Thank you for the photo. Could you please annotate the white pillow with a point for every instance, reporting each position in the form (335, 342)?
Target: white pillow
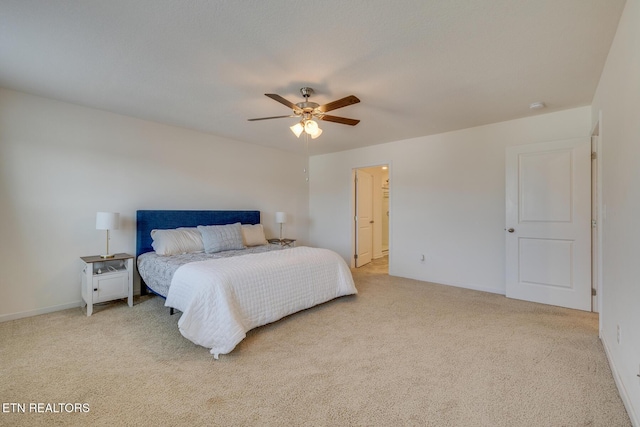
(253, 235)
(217, 238)
(177, 241)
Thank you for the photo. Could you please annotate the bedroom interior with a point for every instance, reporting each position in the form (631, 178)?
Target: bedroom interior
(144, 106)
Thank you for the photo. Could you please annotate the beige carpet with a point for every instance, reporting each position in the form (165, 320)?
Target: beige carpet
(401, 352)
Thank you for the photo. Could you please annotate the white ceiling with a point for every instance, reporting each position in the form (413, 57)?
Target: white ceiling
(419, 67)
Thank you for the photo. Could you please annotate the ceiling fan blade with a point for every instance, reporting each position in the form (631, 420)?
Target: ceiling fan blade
(268, 118)
(348, 100)
(336, 119)
(281, 100)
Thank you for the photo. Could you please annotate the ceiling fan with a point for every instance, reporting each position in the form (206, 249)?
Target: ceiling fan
(308, 110)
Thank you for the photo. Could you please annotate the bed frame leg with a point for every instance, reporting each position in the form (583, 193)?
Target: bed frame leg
(171, 312)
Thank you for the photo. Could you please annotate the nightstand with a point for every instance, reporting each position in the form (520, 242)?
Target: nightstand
(107, 279)
(289, 243)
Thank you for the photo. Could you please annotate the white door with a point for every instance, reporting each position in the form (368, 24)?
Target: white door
(364, 217)
(548, 223)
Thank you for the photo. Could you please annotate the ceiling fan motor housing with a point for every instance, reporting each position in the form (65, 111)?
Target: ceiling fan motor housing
(308, 106)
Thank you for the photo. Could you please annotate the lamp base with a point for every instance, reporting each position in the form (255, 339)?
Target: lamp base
(107, 256)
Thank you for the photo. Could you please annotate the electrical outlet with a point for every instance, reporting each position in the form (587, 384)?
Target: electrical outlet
(618, 334)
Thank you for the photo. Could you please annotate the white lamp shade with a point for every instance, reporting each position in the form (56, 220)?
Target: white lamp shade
(310, 127)
(297, 129)
(107, 221)
(281, 217)
(317, 134)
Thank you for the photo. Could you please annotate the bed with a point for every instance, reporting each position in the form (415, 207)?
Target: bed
(223, 294)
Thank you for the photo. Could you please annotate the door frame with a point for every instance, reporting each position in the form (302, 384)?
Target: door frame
(595, 219)
(601, 217)
(352, 203)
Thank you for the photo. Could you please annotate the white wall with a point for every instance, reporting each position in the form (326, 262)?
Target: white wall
(447, 197)
(617, 99)
(61, 163)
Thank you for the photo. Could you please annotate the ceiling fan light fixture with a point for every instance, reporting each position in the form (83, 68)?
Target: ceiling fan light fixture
(310, 127)
(317, 134)
(297, 129)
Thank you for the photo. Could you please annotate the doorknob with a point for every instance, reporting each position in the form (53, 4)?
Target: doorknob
(511, 230)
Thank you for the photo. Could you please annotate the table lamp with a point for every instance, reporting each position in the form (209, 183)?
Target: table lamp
(107, 221)
(281, 218)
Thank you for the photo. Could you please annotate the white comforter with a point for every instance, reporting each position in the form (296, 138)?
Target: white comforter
(222, 299)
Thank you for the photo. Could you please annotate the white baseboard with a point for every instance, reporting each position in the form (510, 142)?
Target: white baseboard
(621, 389)
(455, 285)
(474, 288)
(45, 310)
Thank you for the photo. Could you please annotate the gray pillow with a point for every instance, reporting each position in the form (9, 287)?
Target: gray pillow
(218, 238)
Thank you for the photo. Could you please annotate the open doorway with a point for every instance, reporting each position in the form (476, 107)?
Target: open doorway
(371, 193)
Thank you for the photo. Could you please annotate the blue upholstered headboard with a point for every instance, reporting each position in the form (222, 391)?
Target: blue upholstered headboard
(163, 220)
